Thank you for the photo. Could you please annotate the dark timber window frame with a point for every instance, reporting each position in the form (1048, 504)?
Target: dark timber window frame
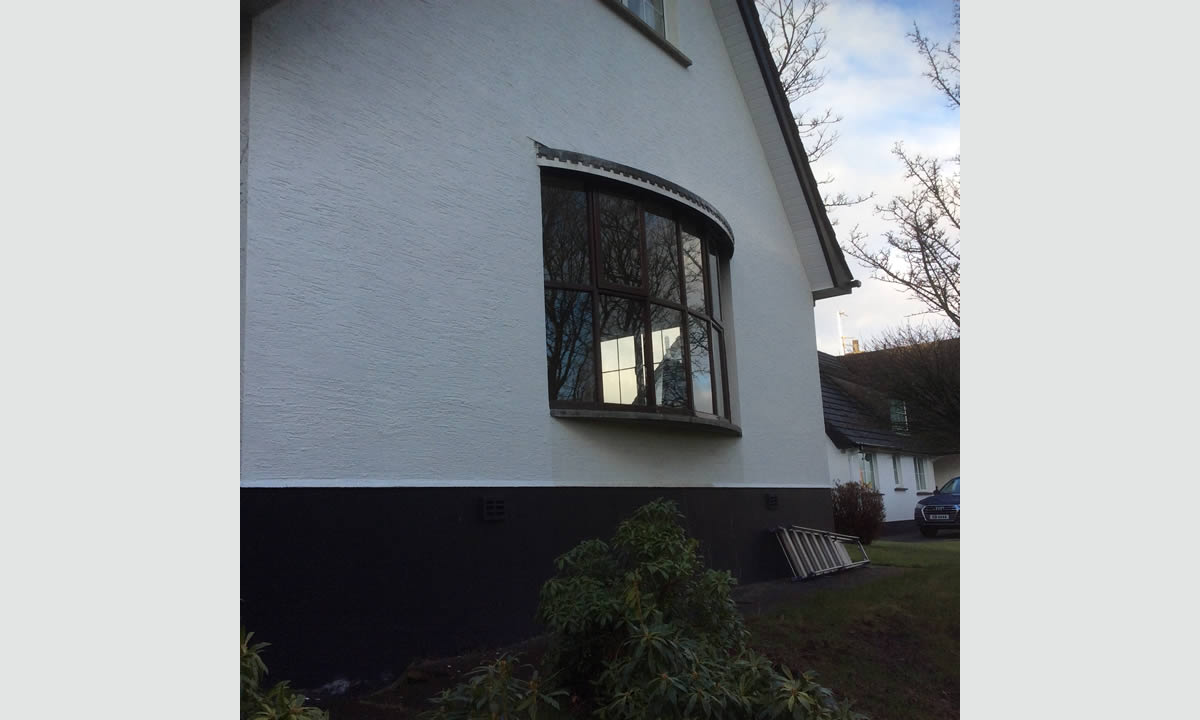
(684, 219)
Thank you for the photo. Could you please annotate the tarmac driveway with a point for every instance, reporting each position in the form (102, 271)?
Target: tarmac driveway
(916, 536)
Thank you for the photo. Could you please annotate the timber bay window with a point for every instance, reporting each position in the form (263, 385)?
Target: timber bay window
(633, 303)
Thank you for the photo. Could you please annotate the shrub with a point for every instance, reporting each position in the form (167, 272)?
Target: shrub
(280, 701)
(858, 510)
(642, 629)
(650, 576)
(497, 691)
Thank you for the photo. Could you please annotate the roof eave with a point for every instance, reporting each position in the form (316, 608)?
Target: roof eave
(250, 8)
(839, 272)
(835, 291)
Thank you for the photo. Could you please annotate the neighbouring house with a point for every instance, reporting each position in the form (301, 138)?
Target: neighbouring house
(876, 438)
(510, 270)
(945, 468)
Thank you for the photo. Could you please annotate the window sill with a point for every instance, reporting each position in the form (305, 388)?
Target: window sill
(925, 492)
(691, 422)
(629, 16)
(900, 489)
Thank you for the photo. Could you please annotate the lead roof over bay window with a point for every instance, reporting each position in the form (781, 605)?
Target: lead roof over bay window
(633, 308)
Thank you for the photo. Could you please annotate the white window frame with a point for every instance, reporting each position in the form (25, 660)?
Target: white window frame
(871, 478)
(898, 470)
(642, 3)
(919, 466)
(901, 425)
(668, 39)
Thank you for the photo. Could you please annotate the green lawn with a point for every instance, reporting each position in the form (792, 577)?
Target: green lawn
(890, 645)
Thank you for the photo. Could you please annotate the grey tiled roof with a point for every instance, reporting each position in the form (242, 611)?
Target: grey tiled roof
(848, 421)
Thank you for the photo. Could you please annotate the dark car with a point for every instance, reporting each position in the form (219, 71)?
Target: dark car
(940, 510)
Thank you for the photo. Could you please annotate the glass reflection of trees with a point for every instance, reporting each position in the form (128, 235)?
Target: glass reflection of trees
(633, 318)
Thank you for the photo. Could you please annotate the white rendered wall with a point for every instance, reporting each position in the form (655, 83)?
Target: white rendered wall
(898, 504)
(900, 498)
(394, 317)
(843, 465)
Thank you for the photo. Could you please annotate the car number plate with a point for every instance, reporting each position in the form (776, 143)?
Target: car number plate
(939, 517)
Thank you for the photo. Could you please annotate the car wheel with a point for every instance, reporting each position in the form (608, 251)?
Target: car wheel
(929, 532)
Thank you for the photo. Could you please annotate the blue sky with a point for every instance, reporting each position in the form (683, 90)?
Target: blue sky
(875, 82)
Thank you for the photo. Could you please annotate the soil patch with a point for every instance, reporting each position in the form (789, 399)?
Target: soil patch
(408, 696)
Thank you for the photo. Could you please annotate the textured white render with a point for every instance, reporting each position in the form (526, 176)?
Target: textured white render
(843, 465)
(394, 318)
(846, 466)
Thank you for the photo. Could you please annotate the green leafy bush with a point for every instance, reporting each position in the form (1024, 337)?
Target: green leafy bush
(278, 703)
(495, 691)
(858, 510)
(641, 629)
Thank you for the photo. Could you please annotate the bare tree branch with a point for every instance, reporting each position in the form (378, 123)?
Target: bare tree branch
(920, 253)
(918, 364)
(843, 200)
(797, 43)
(941, 61)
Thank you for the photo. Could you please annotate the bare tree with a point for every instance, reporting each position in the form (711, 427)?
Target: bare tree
(919, 365)
(921, 253)
(941, 60)
(797, 42)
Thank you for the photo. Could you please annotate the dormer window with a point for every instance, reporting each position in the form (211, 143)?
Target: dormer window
(899, 416)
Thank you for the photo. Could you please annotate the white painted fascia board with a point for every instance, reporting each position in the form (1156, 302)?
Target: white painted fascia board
(766, 124)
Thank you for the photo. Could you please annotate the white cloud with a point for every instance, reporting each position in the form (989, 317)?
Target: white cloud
(875, 82)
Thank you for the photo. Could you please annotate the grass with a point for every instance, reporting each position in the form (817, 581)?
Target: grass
(891, 646)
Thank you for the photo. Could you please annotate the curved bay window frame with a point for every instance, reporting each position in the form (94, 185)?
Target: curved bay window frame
(715, 248)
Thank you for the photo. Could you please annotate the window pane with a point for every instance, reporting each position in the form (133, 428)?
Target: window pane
(670, 378)
(693, 271)
(620, 240)
(897, 471)
(714, 283)
(899, 416)
(569, 349)
(662, 257)
(564, 235)
(702, 395)
(718, 365)
(650, 11)
(621, 351)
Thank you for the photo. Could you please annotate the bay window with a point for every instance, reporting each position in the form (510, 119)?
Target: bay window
(634, 317)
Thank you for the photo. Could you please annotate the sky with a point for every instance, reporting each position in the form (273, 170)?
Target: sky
(875, 82)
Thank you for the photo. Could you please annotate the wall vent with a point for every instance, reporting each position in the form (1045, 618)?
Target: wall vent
(493, 510)
(772, 501)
